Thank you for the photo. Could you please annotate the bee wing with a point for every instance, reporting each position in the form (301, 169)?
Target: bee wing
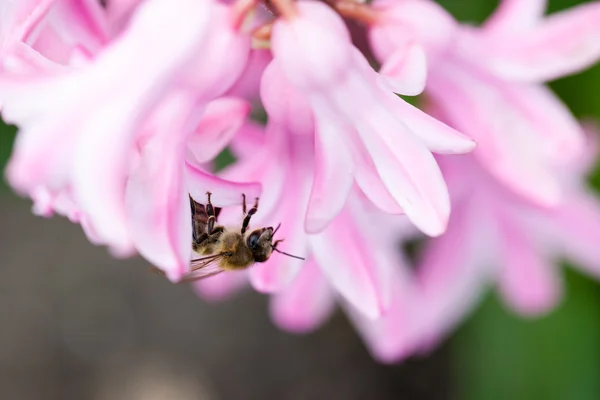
(203, 268)
(200, 216)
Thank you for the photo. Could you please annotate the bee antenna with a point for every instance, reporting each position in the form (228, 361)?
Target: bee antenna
(274, 247)
(287, 254)
(276, 229)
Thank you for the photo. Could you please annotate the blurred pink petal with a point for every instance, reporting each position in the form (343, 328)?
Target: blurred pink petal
(515, 15)
(279, 270)
(528, 280)
(305, 303)
(225, 193)
(219, 124)
(396, 334)
(119, 12)
(249, 140)
(248, 86)
(562, 44)
(69, 26)
(108, 127)
(402, 22)
(19, 19)
(507, 143)
(350, 267)
(454, 268)
(221, 286)
(494, 234)
(521, 130)
(104, 128)
(577, 229)
(23, 59)
(405, 71)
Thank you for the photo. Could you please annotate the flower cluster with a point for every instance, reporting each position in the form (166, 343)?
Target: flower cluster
(122, 106)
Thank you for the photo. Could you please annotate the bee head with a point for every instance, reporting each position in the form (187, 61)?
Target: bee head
(260, 242)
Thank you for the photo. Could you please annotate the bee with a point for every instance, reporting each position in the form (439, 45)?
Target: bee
(228, 249)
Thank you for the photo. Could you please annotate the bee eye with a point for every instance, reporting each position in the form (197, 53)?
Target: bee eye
(252, 240)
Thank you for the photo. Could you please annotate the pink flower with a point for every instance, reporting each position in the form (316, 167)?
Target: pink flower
(486, 81)
(45, 34)
(495, 236)
(365, 133)
(350, 258)
(123, 108)
(122, 158)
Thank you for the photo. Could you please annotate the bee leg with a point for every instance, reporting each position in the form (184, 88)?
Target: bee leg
(210, 211)
(249, 215)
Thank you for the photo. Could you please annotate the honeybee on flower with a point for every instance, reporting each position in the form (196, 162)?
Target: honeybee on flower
(122, 107)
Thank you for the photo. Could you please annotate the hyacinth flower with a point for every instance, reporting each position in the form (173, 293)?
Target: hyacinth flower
(487, 80)
(117, 151)
(494, 237)
(352, 260)
(122, 108)
(153, 135)
(497, 237)
(357, 115)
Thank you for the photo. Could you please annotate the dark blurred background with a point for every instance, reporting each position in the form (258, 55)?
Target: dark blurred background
(78, 324)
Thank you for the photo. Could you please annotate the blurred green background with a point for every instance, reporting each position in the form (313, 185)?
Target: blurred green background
(496, 355)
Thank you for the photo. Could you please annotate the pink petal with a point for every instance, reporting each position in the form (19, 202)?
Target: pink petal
(311, 48)
(228, 55)
(284, 103)
(369, 182)
(249, 140)
(577, 229)
(563, 44)
(279, 270)
(269, 165)
(408, 170)
(405, 71)
(224, 193)
(510, 139)
(220, 122)
(351, 266)
(583, 164)
(23, 60)
(20, 17)
(305, 303)
(528, 279)
(561, 134)
(222, 286)
(404, 164)
(397, 333)
(437, 136)
(515, 15)
(248, 86)
(156, 198)
(368, 179)
(334, 176)
(454, 269)
(425, 22)
(119, 12)
(158, 210)
(104, 126)
(68, 25)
